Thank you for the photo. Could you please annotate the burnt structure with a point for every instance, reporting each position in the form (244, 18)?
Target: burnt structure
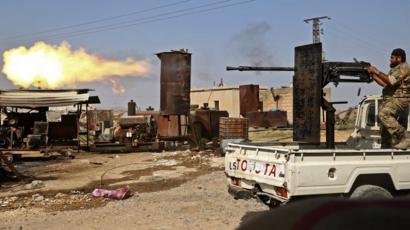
(251, 108)
(132, 108)
(268, 119)
(311, 76)
(174, 123)
(149, 130)
(175, 82)
(249, 99)
(205, 123)
(30, 123)
(175, 94)
(137, 132)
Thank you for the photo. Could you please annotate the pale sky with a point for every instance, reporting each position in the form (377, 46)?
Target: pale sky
(218, 33)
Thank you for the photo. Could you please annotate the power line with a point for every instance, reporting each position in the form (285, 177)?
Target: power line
(98, 20)
(358, 40)
(151, 19)
(113, 26)
(354, 35)
(359, 33)
(358, 43)
(154, 16)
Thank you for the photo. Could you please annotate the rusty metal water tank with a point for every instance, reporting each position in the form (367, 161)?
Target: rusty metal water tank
(175, 82)
(248, 99)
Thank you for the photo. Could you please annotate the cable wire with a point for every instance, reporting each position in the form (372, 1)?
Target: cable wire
(145, 20)
(359, 43)
(125, 23)
(354, 35)
(97, 20)
(359, 34)
(155, 18)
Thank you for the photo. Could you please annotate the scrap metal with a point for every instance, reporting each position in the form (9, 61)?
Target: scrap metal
(27, 111)
(268, 119)
(175, 82)
(248, 99)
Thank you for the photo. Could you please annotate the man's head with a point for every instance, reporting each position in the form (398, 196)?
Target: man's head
(397, 56)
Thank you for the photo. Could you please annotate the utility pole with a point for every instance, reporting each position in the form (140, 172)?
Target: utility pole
(316, 31)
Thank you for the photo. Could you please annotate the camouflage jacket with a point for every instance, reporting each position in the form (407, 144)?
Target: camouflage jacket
(399, 77)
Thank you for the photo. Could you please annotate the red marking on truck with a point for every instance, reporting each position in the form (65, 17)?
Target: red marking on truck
(244, 162)
(244, 165)
(273, 171)
(266, 168)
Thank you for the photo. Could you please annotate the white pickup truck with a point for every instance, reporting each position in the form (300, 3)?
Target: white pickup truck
(358, 168)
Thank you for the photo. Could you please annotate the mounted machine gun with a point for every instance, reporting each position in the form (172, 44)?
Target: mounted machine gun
(311, 76)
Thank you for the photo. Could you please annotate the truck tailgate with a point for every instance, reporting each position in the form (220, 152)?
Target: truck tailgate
(257, 164)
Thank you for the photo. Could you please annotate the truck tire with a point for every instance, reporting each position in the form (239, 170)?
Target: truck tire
(370, 192)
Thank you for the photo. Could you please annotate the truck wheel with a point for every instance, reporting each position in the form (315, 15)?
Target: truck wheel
(370, 192)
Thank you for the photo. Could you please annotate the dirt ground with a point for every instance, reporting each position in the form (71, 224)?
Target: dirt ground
(168, 190)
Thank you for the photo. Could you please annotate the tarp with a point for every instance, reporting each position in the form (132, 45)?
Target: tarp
(42, 98)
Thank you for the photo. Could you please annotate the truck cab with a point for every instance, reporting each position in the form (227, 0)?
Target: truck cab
(366, 134)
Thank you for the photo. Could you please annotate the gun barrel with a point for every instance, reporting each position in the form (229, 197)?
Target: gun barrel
(254, 68)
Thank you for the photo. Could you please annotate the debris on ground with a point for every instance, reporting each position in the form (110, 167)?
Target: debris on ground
(35, 184)
(37, 197)
(59, 184)
(118, 194)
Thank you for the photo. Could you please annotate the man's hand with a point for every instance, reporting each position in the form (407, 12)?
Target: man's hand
(379, 77)
(373, 70)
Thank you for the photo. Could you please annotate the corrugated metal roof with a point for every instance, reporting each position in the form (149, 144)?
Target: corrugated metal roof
(42, 98)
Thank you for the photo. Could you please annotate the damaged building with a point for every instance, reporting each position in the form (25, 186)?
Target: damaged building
(229, 98)
(34, 119)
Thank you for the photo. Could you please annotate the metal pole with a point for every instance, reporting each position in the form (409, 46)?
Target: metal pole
(86, 116)
(79, 108)
(316, 31)
(179, 125)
